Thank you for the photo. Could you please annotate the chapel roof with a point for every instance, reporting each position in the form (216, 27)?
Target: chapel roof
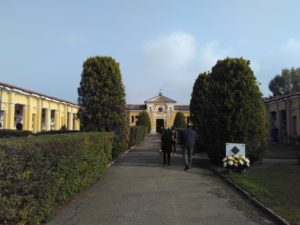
(182, 107)
(277, 98)
(160, 98)
(135, 107)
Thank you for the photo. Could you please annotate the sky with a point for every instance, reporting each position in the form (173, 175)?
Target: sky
(159, 44)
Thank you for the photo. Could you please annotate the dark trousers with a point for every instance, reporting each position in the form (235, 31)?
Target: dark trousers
(174, 146)
(167, 156)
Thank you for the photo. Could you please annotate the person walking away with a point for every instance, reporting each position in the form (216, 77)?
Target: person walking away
(174, 136)
(166, 146)
(189, 142)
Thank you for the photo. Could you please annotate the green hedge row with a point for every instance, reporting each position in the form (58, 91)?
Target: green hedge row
(4, 133)
(50, 132)
(137, 134)
(38, 174)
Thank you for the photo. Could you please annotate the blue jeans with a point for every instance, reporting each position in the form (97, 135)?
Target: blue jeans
(187, 154)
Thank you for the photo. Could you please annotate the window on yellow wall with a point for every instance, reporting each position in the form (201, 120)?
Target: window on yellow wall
(132, 119)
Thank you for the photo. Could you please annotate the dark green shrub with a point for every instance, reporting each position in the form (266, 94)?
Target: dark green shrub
(144, 120)
(14, 133)
(56, 132)
(38, 174)
(179, 121)
(137, 134)
(227, 106)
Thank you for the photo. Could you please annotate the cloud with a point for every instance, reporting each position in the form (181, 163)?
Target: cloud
(211, 53)
(172, 63)
(291, 44)
(169, 54)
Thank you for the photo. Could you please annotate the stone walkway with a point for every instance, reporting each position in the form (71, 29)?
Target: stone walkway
(139, 190)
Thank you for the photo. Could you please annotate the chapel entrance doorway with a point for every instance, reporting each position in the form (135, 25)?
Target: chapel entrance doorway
(160, 124)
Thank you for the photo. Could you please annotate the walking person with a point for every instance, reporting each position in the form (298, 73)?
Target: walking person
(189, 142)
(174, 136)
(166, 146)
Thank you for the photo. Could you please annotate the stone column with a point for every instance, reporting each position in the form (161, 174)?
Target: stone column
(27, 115)
(38, 117)
(57, 118)
(66, 116)
(24, 117)
(70, 121)
(288, 118)
(10, 116)
(47, 119)
(278, 119)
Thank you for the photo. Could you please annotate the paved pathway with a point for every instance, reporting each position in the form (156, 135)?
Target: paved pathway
(138, 190)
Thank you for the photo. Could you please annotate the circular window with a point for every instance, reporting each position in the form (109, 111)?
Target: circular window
(160, 109)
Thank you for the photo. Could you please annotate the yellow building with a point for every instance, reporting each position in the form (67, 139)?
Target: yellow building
(162, 112)
(284, 116)
(29, 110)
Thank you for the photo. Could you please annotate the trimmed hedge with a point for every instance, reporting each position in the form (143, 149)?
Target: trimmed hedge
(38, 174)
(137, 134)
(50, 132)
(4, 133)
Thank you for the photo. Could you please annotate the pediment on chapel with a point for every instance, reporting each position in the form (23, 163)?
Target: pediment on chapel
(160, 99)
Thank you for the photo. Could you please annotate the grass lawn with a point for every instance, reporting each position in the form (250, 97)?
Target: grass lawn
(278, 187)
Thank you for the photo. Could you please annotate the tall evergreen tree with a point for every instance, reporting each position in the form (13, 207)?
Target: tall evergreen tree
(233, 109)
(144, 120)
(199, 107)
(102, 99)
(179, 121)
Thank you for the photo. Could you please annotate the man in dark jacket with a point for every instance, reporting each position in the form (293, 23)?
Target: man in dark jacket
(166, 145)
(190, 137)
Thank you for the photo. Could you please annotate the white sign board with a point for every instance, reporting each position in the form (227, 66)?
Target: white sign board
(235, 149)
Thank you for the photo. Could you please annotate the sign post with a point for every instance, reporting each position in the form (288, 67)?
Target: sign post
(235, 149)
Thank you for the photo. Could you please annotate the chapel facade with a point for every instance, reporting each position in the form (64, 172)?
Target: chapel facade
(161, 109)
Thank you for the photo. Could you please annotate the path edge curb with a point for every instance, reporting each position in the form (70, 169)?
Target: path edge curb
(275, 217)
(124, 153)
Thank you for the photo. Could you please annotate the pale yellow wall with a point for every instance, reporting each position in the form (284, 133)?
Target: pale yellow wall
(32, 111)
(134, 114)
(292, 108)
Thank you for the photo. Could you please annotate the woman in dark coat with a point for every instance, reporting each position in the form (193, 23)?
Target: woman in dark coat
(166, 145)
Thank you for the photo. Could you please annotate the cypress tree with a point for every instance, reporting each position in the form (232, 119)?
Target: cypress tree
(179, 121)
(199, 107)
(233, 109)
(102, 100)
(144, 120)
